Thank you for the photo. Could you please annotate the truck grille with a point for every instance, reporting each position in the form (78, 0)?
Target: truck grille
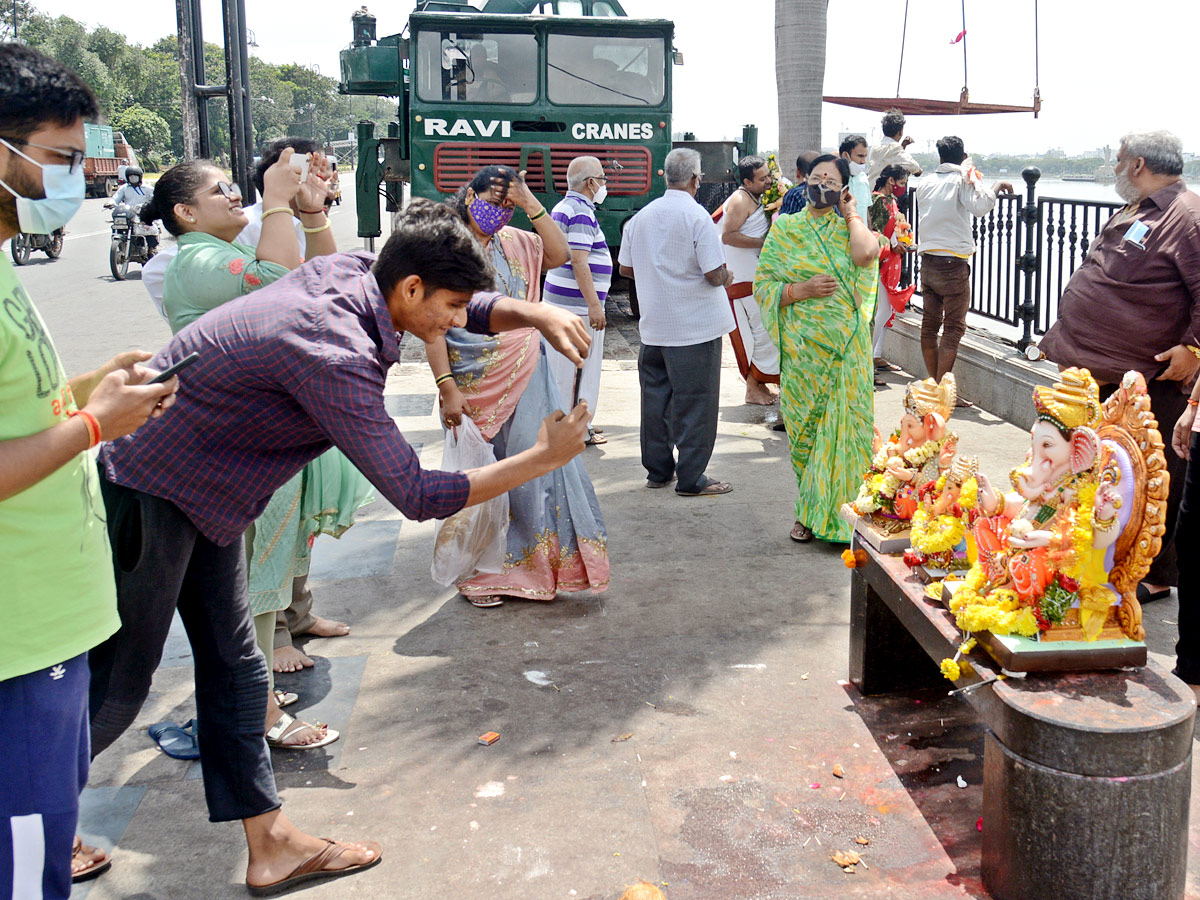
(628, 167)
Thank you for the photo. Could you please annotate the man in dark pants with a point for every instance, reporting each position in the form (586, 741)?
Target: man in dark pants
(285, 373)
(1134, 303)
(947, 199)
(674, 251)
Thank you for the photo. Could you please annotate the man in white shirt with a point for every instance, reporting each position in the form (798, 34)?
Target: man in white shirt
(671, 247)
(744, 227)
(946, 200)
(893, 149)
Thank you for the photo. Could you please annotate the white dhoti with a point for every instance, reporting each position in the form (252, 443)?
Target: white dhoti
(762, 356)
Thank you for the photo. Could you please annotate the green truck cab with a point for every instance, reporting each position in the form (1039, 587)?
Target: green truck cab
(530, 91)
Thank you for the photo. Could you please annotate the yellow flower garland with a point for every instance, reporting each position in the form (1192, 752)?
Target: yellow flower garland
(936, 534)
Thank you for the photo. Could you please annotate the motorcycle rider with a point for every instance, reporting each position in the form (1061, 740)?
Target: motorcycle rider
(135, 195)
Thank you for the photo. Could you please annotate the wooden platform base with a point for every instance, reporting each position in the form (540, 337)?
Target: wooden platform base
(885, 535)
(1063, 648)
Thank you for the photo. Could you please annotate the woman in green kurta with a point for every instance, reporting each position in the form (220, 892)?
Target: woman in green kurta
(816, 284)
(203, 209)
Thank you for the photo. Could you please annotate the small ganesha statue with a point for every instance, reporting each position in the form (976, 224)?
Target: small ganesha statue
(1041, 548)
(941, 527)
(916, 454)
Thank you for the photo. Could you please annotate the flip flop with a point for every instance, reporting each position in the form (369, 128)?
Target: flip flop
(94, 868)
(596, 438)
(314, 868)
(963, 403)
(655, 485)
(285, 698)
(801, 533)
(288, 725)
(709, 490)
(177, 741)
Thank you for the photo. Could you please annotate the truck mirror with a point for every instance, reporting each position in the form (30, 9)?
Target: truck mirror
(677, 57)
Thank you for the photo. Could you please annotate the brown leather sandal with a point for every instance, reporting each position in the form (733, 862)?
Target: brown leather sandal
(315, 868)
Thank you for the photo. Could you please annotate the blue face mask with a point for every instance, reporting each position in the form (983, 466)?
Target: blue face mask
(64, 191)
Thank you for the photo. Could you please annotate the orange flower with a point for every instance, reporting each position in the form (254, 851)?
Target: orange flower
(848, 559)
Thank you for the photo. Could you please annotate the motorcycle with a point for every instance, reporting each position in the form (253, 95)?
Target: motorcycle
(132, 241)
(22, 244)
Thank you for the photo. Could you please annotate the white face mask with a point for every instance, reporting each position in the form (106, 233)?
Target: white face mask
(601, 193)
(64, 191)
(858, 168)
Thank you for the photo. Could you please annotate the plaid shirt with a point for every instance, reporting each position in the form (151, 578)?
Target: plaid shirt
(284, 374)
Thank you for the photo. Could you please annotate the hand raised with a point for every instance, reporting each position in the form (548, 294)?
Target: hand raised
(565, 332)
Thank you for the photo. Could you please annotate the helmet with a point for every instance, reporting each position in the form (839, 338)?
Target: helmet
(133, 175)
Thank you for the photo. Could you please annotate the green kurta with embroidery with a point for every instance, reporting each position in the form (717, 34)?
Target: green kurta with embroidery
(826, 381)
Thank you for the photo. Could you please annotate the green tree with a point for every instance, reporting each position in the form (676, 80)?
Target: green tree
(14, 16)
(146, 131)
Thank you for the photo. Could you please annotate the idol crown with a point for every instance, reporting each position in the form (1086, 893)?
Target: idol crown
(923, 397)
(1072, 402)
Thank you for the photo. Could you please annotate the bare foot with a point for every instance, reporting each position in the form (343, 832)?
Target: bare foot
(758, 393)
(328, 628)
(290, 659)
(277, 847)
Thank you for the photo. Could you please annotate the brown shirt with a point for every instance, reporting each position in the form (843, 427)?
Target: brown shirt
(1126, 302)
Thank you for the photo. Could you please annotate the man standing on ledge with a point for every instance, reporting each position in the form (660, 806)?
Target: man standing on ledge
(946, 201)
(893, 149)
(744, 226)
(672, 249)
(1134, 303)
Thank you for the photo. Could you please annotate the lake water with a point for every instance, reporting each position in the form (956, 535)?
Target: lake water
(1067, 190)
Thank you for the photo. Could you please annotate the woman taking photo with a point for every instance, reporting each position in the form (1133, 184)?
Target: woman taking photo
(556, 538)
(816, 285)
(197, 203)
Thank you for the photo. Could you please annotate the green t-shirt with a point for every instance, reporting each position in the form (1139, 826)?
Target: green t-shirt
(57, 597)
(209, 272)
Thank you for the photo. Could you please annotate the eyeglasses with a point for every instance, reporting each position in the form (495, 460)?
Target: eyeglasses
(599, 178)
(230, 191)
(828, 182)
(75, 156)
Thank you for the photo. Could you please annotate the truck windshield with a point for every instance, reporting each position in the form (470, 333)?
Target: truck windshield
(476, 67)
(601, 70)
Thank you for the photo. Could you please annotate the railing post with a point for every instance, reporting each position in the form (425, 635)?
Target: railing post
(1029, 260)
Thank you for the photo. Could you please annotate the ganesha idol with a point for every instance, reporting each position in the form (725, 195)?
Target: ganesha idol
(1059, 557)
(942, 539)
(915, 456)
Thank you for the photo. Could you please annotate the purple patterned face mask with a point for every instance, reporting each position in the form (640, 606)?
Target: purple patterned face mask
(488, 216)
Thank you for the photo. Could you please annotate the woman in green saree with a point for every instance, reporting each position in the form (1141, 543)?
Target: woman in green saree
(816, 284)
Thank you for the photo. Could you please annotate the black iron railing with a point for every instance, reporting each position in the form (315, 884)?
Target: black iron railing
(1062, 232)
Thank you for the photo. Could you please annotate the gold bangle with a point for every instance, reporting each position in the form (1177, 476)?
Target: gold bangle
(437, 382)
(1104, 524)
(316, 230)
(534, 218)
(276, 209)
(1193, 349)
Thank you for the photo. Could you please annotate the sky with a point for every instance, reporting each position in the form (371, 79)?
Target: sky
(1106, 67)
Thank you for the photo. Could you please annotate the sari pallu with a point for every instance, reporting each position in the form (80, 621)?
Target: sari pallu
(556, 536)
(826, 382)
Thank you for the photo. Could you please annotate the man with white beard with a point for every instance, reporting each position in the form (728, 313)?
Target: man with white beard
(1134, 303)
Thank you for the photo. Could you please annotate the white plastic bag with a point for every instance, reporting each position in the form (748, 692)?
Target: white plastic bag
(473, 539)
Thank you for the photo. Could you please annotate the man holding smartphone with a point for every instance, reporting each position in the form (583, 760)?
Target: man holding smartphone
(58, 598)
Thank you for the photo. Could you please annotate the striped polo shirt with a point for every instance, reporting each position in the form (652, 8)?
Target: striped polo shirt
(575, 214)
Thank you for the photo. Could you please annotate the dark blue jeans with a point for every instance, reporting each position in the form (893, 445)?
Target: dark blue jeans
(163, 563)
(1187, 536)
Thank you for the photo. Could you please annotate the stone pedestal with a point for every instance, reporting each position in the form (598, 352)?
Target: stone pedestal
(1086, 786)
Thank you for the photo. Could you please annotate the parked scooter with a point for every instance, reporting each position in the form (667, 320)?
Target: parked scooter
(22, 244)
(132, 241)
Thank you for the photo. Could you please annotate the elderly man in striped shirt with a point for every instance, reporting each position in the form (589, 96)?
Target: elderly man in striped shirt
(581, 285)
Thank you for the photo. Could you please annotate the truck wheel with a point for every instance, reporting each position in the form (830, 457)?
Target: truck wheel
(110, 186)
(118, 259)
(55, 245)
(19, 245)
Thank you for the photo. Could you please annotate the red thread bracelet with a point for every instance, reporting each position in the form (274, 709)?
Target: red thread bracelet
(93, 426)
(312, 212)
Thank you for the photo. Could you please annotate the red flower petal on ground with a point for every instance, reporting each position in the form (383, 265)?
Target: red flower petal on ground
(237, 266)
